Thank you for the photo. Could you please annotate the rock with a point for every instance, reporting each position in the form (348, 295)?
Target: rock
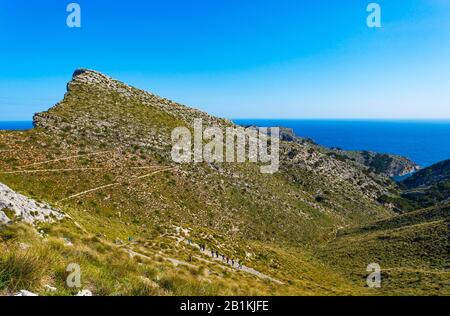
(50, 288)
(67, 242)
(79, 72)
(84, 293)
(24, 246)
(24, 208)
(25, 293)
(3, 218)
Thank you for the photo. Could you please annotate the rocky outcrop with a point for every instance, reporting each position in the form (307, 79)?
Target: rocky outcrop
(15, 206)
(25, 293)
(385, 164)
(99, 109)
(106, 86)
(432, 175)
(429, 186)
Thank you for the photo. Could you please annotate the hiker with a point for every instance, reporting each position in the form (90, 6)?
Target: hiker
(232, 262)
(228, 260)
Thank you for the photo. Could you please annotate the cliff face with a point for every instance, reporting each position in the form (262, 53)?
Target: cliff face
(385, 164)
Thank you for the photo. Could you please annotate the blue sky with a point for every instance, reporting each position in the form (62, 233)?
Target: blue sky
(236, 58)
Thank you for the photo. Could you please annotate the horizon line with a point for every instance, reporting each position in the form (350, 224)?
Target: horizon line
(342, 119)
(304, 118)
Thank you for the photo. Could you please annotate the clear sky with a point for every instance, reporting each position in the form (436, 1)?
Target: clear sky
(236, 58)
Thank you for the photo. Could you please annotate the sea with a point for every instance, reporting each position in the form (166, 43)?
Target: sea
(425, 142)
(16, 125)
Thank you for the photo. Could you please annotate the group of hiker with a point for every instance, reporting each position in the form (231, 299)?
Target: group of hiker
(217, 255)
(232, 262)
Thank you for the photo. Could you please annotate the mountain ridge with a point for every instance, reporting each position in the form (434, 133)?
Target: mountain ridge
(388, 165)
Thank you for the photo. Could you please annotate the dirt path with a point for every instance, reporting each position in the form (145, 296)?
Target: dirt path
(236, 267)
(175, 262)
(224, 265)
(73, 169)
(64, 158)
(114, 184)
(245, 269)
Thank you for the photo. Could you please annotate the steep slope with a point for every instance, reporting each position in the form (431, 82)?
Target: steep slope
(429, 176)
(428, 186)
(412, 249)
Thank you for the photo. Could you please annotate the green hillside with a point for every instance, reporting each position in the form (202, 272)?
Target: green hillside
(134, 218)
(428, 186)
(412, 250)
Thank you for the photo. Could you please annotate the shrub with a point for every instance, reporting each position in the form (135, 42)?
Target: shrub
(7, 234)
(20, 270)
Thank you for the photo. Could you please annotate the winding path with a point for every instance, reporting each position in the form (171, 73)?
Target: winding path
(64, 158)
(114, 184)
(242, 268)
(74, 169)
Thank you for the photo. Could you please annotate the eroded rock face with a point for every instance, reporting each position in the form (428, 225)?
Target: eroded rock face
(17, 206)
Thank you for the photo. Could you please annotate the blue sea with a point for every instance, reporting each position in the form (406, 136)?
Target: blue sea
(16, 125)
(424, 142)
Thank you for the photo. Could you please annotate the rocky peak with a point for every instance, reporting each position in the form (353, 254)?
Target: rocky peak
(101, 81)
(81, 71)
(100, 97)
